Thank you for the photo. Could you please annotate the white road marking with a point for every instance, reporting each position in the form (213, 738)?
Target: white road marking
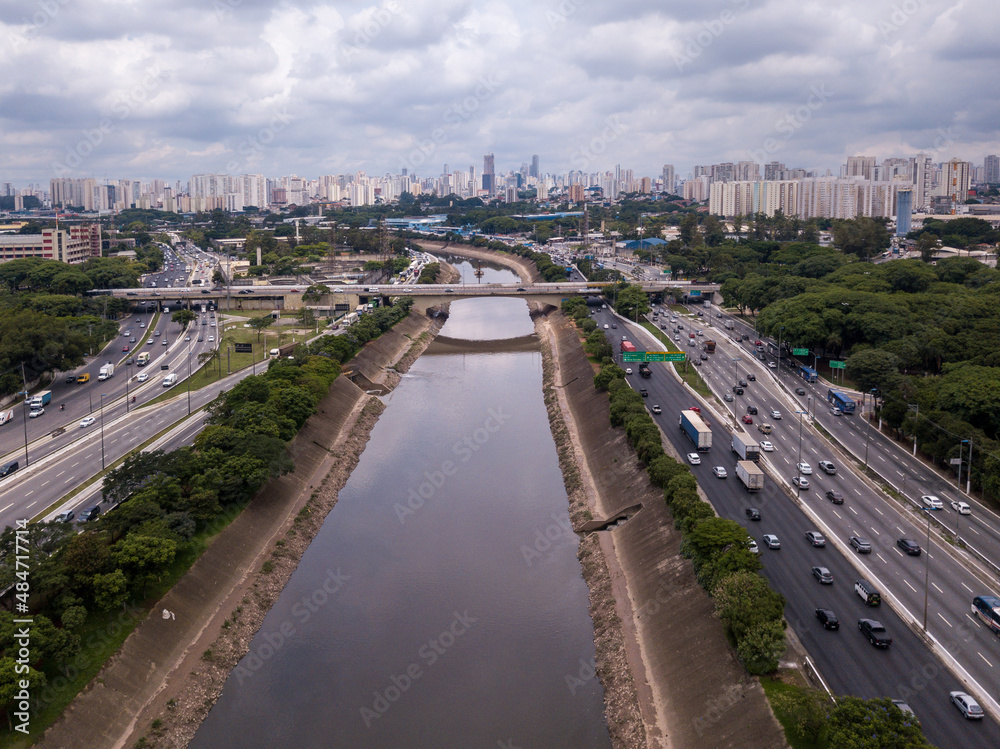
(70, 479)
(857, 492)
(882, 558)
(837, 514)
(60, 473)
(875, 531)
(974, 620)
(967, 587)
(984, 658)
(75, 464)
(910, 586)
(937, 588)
(27, 506)
(7, 507)
(878, 510)
(853, 510)
(973, 530)
(946, 621)
(28, 494)
(899, 472)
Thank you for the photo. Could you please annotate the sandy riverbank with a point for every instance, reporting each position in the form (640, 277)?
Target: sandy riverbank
(172, 670)
(524, 268)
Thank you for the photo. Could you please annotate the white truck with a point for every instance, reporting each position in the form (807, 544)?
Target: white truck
(106, 371)
(751, 475)
(746, 446)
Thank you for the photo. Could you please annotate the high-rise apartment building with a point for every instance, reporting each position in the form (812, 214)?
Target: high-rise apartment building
(922, 177)
(957, 179)
(488, 174)
(991, 169)
(860, 166)
(904, 211)
(669, 179)
(533, 171)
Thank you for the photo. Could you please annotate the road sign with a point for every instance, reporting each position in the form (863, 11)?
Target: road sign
(633, 356)
(694, 292)
(955, 461)
(243, 348)
(837, 365)
(648, 356)
(800, 352)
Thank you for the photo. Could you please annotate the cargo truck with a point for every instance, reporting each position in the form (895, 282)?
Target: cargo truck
(107, 370)
(751, 475)
(746, 447)
(41, 399)
(696, 430)
(710, 347)
(644, 370)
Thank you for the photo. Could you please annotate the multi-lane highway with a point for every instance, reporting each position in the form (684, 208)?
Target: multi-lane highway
(848, 663)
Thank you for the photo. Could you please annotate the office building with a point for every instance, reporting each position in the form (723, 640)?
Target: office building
(488, 174)
(533, 172)
(68, 244)
(669, 180)
(957, 179)
(904, 211)
(991, 170)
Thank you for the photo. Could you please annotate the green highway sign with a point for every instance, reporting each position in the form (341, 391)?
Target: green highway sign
(648, 356)
(837, 365)
(800, 352)
(633, 356)
(694, 292)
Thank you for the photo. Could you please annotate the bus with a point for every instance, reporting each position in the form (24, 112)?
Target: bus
(841, 401)
(808, 374)
(987, 609)
(143, 359)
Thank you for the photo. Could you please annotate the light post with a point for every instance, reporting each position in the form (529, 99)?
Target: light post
(24, 421)
(798, 459)
(102, 431)
(868, 429)
(780, 330)
(968, 474)
(915, 407)
(961, 451)
(128, 376)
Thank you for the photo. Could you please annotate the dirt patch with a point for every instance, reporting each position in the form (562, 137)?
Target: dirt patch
(173, 669)
(445, 345)
(524, 268)
(690, 689)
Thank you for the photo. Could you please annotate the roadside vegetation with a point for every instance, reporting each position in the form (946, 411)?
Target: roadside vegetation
(89, 589)
(749, 609)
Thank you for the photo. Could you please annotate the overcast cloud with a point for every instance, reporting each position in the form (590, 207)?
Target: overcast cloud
(169, 88)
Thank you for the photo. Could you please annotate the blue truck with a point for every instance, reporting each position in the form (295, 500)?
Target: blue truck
(40, 399)
(696, 430)
(841, 401)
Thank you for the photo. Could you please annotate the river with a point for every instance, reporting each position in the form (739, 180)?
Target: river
(441, 604)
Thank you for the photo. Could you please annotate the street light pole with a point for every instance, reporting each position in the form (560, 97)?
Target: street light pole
(961, 451)
(780, 330)
(868, 428)
(968, 474)
(128, 376)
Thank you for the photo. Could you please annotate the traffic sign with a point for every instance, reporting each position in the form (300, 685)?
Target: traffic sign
(243, 348)
(648, 356)
(633, 356)
(694, 292)
(800, 352)
(837, 365)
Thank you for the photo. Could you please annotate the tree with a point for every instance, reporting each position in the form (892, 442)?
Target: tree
(808, 710)
(110, 590)
(608, 373)
(743, 600)
(873, 368)
(144, 557)
(261, 323)
(927, 245)
(873, 724)
(183, 317)
(863, 236)
(760, 648)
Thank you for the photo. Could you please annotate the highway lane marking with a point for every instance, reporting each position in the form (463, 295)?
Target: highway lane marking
(945, 620)
(27, 506)
(900, 530)
(984, 658)
(60, 473)
(973, 530)
(46, 482)
(899, 472)
(837, 514)
(937, 588)
(28, 494)
(875, 531)
(7, 507)
(857, 492)
(898, 552)
(967, 587)
(910, 586)
(75, 464)
(973, 619)
(853, 510)
(882, 558)
(69, 479)
(878, 511)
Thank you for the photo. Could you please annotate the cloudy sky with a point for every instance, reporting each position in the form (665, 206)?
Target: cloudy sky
(169, 88)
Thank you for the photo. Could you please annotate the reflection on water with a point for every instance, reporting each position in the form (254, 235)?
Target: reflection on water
(441, 604)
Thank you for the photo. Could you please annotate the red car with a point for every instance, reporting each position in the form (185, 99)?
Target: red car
(124, 348)
(747, 419)
(695, 409)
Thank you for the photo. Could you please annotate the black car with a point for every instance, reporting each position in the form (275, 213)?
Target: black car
(800, 391)
(752, 377)
(836, 497)
(90, 513)
(875, 633)
(753, 513)
(828, 619)
(9, 468)
(861, 545)
(743, 383)
(643, 392)
(70, 378)
(752, 410)
(909, 546)
(738, 390)
(703, 356)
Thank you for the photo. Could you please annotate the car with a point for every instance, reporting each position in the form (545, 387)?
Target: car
(187, 338)
(827, 618)
(752, 546)
(747, 419)
(836, 411)
(680, 327)
(827, 467)
(967, 705)
(800, 391)
(657, 410)
(131, 340)
(771, 541)
(130, 361)
(775, 414)
(202, 338)
(150, 342)
(87, 421)
(738, 390)
(614, 326)
(628, 370)
(931, 502)
(90, 513)
(772, 365)
(766, 446)
(836, 497)
(166, 342)
(606, 326)
(962, 508)
(247, 291)
(752, 410)
(801, 482)
(157, 333)
(911, 547)
(815, 538)
(875, 633)
(70, 378)
(642, 391)
(861, 545)
(125, 348)
(906, 710)
(742, 383)
(36, 412)
(694, 459)
(64, 517)
(764, 428)
(126, 333)
(751, 377)
(624, 337)
(823, 575)
(141, 377)
(719, 472)
(700, 334)
(696, 409)
(752, 513)
(728, 397)
(703, 356)
(804, 468)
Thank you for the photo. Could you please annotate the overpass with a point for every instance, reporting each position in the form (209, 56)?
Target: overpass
(347, 298)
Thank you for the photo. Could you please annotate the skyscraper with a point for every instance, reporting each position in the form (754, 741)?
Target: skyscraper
(669, 179)
(533, 172)
(860, 166)
(991, 169)
(488, 183)
(957, 180)
(904, 210)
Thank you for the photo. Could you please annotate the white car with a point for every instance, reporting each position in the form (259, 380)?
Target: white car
(804, 468)
(628, 370)
(752, 546)
(87, 421)
(775, 414)
(772, 365)
(962, 508)
(931, 502)
(35, 413)
(801, 482)
(211, 338)
(141, 377)
(719, 472)
(766, 446)
(187, 338)
(606, 326)
(694, 459)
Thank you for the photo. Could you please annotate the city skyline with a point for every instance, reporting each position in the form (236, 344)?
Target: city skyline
(236, 87)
